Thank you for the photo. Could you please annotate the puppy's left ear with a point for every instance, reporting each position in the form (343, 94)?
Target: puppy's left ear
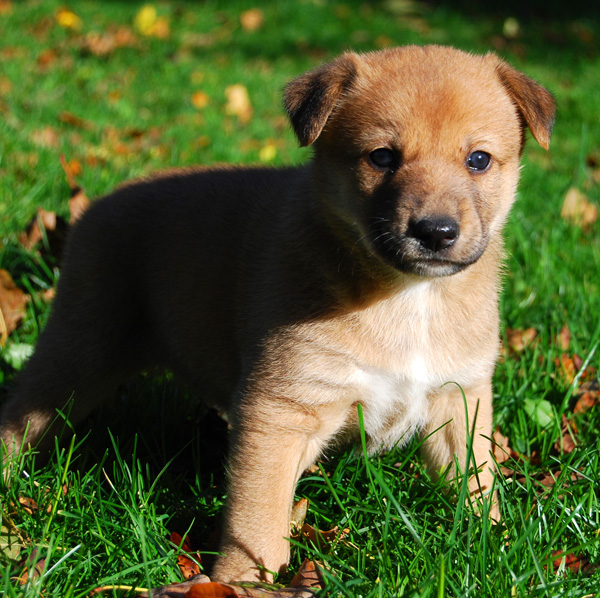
(535, 103)
(311, 98)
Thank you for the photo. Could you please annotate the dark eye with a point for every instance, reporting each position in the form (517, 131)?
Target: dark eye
(384, 159)
(479, 161)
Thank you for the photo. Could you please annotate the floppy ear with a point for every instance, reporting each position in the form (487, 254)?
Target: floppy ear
(310, 99)
(535, 103)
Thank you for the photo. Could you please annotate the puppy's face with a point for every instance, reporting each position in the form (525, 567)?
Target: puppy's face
(417, 161)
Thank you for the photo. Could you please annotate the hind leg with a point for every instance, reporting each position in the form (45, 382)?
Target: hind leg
(81, 357)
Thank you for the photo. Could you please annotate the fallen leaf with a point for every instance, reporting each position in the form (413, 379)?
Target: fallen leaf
(211, 589)
(200, 99)
(268, 152)
(5, 7)
(574, 562)
(563, 339)
(47, 227)
(11, 542)
(569, 367)
(511, 28)
(578, 210)
(103, 44)
(299, 511)
(501, 449)
(323, 538)
(188, 561)
(587, 396)
(13, 302)
(566, 443)
(46, 137)
(198, 586)
(238, 103)
(79, 201)
(518, 339)
(252, 19)
(73, 120)
(148, 23)
(32, 568)
(78, 204)
(46, 57)
(307, 576)
(28, 504)
(68, 20)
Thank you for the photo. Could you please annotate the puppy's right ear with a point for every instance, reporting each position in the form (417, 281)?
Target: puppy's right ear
(311, 98)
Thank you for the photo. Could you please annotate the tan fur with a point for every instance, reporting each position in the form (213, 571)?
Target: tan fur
(293, 295)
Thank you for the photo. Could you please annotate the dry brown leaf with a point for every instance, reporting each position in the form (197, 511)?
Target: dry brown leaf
(47, 295)
(518, 339)
(299, 511)
(79, 201)
(323, 538)
(187, 560)
(5, 6)
(578, 210)
(46, 57)
(569, 367)
(563, 339)
(238, 103)
(32, 568)
(587, 396)
(28, 504)
(78, 204)
(46, 137)
(307, 576)
(211, 589)
(501, 449)
(573, 562)
(103, 44)
(13, 302)
(193, 587)
(73, 120)
(48, 226)
(252, 19)
(566, 443)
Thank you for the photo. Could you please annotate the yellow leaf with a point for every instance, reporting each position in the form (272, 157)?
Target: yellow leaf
(578, 210)
(200, 99)
(268, 152)
(238, 103)
(252, 20)
(68, 20)
(145, 19)
(148, 23)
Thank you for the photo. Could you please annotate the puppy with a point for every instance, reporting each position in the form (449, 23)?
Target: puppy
(368, 277)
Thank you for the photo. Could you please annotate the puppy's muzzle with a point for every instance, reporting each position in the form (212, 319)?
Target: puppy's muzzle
(427, 247)
(435, 234)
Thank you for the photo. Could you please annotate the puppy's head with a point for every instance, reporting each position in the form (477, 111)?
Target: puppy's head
(417, 150)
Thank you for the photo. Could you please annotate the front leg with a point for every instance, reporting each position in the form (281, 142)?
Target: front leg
(274, 441)
(446, 436)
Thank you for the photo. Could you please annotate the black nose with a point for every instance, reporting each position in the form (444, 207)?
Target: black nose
(435, 233)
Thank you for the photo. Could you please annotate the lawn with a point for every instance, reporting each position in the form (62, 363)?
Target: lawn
(121, 89)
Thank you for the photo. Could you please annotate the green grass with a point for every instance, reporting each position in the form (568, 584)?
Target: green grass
(127, 489)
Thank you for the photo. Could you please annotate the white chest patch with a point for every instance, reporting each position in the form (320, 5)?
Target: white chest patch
(395, 394)
(395, 405)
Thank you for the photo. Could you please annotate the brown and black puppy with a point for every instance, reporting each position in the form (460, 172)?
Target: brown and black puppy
(369, 276)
